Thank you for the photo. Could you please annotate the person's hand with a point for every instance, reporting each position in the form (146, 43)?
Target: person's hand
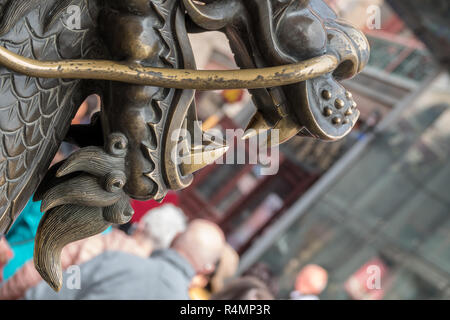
(5, 255)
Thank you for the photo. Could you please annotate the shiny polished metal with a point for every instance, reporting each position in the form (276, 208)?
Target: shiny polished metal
(136, 55)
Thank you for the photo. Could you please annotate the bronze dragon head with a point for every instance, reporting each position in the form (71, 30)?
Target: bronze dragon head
(136, 56)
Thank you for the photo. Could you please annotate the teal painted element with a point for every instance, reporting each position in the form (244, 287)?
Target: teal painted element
(21, 237)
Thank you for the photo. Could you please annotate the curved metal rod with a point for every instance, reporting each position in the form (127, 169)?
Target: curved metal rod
(170, 78)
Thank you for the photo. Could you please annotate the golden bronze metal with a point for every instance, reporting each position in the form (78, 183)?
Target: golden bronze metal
(256, 126)
(171, 78)
(199, 158)
(136, 55)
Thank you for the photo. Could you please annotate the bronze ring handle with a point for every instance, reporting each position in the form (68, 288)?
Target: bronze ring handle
(170, 78)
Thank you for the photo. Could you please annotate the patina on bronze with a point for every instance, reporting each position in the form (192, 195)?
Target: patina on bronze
(136, 55)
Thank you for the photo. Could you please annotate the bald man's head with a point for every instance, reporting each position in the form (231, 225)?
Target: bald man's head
(312, 279)
(201, 244)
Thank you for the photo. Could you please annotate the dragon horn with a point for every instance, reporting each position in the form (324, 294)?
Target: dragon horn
(200, 157)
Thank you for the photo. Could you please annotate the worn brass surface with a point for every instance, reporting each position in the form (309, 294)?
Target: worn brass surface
(171, 78)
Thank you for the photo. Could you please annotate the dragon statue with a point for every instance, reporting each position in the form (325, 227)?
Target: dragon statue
(136, 55)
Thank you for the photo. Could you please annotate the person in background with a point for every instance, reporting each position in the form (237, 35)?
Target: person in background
(21, 238)
(262, 271)
(161, 225)
(226, 269)
(167, 274)
(245, 288)
(154, 232)
(198, 288)
(203, 286)
(310, 283)
(142, 207)
(5, 255)
(86, 110)
(75, 254)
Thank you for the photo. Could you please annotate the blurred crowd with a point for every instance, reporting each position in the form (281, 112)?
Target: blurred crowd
(161, 256)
